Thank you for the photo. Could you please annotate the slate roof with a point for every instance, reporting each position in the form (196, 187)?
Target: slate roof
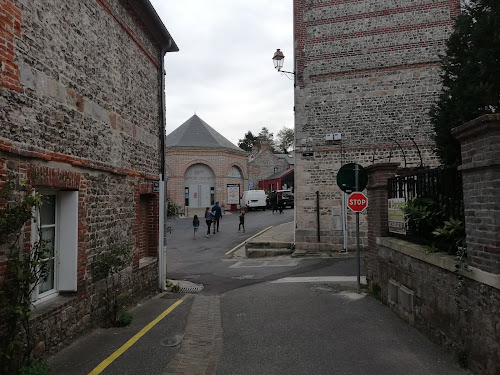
(196, 133)
(279, 175)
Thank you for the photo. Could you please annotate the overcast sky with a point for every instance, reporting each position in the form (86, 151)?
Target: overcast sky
(224, 70)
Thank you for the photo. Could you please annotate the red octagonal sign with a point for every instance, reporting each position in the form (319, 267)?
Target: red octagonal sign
(357, 202)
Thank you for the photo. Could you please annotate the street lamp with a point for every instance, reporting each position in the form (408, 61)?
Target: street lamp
(278, 59)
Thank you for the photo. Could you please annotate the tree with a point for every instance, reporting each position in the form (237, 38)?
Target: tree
(248, 142)
(470, 74)
(286, 140)
(265, 137)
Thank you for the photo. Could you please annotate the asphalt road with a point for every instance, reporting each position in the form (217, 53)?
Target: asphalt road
(270, 316)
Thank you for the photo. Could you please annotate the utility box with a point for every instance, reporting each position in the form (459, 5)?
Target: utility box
(333, 137)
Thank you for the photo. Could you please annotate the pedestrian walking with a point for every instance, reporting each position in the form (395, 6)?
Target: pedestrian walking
(281, 202)
(209, 216)
(196, 225)
(217, 211)
(242, 221)
(274, 201)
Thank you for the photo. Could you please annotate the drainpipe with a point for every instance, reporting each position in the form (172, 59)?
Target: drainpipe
(162, 251)
(317, 216)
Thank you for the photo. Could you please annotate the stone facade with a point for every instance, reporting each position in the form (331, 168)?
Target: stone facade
(262, 164)
(219, 161)
(370, 71)
(80, 111)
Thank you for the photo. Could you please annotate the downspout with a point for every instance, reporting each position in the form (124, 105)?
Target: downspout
(317, 217)
(162, 251)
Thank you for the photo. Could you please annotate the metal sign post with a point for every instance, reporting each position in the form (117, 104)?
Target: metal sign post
(356, 185)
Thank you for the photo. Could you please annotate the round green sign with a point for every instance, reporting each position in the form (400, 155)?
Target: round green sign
(346, 178)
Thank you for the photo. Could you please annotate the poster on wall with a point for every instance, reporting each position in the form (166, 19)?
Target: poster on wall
(396, 216)
(233, 194)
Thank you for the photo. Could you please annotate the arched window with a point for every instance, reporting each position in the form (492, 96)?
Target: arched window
(234, 172)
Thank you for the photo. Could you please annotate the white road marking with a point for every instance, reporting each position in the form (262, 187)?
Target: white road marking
(265, 263)
(321, 279)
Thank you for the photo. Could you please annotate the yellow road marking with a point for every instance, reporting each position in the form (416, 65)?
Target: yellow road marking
(133, 340)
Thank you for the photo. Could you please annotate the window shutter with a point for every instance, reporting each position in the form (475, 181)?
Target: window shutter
(68, 240)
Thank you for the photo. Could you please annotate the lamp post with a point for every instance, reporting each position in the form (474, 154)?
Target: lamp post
(278, 60)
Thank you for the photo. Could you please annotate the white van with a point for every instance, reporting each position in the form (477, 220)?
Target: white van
(253, 199)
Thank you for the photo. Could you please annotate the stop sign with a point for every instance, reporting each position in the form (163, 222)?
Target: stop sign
(357, 202)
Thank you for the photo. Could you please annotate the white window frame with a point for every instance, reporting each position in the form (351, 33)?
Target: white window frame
(65, 243)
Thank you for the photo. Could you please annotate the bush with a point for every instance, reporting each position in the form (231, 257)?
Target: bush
(126, 318)
(38, 367)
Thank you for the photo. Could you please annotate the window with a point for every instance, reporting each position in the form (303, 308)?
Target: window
(56, 224)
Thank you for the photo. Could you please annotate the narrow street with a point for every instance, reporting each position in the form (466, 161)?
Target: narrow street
(265, 316)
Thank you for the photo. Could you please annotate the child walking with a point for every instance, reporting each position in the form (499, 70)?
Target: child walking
(209, 216)
(196, 224)
(242, 221)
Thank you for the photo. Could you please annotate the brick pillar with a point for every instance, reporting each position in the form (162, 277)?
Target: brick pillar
(377, 188)
(480, 144)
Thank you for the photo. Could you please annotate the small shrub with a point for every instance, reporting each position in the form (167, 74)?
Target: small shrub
(176, 288)
(126, 318)
(38, 367)
(453, 233)
(376, 291)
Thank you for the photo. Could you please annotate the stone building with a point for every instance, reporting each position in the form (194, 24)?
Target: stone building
(264, 163)
(82, 121)
(368, 70)
(203, 167)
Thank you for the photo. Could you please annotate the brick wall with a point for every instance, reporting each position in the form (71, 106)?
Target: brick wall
(10, 29)
(79, 110)
(83, 103)
(457, 309)
(370, 71)
(480, 148)
(219, 161)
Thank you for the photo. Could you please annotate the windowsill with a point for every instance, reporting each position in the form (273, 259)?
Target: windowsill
(52, 305)
(146, 261)
(438, 259)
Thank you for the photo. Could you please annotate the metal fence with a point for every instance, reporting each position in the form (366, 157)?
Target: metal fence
(443, 186)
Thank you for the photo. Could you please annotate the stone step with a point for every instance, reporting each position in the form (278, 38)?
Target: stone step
(268, 244)
(267, 252)
(305, 253)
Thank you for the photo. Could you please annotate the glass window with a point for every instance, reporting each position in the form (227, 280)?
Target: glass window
(47, 232)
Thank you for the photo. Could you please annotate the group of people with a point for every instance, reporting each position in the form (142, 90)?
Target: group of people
(214, 216)
(277, 202)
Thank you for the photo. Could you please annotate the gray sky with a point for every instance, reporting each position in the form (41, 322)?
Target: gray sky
(224, 70)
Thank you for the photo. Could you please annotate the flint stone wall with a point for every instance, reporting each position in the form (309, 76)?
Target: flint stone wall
(370, 71)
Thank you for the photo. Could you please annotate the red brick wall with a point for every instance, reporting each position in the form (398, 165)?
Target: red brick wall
(146, 223)
(10, 29)
(220, 161)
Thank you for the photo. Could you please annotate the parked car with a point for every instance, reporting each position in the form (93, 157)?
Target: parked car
(288, 198)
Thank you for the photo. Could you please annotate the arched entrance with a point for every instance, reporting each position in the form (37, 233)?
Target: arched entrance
(199, 185)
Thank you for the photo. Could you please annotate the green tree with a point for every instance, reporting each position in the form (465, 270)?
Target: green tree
(248, 142)
(285, 140)
(265, 137)
(470, 74)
